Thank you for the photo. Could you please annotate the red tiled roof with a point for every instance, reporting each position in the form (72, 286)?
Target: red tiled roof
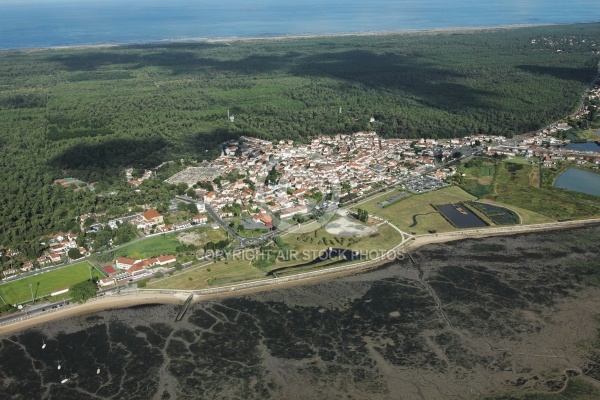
(125, 260)
(135, 268)
(151, 214)
(265, 218)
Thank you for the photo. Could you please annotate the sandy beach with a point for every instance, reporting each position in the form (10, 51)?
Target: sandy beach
(233, 39)
(469, 29)
(98, 304)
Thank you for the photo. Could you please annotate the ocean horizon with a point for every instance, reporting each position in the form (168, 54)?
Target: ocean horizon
(32, 24)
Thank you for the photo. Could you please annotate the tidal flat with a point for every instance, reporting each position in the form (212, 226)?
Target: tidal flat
(493, 318)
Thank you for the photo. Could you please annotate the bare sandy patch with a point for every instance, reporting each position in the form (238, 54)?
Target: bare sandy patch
(193, 238)
(345, 226)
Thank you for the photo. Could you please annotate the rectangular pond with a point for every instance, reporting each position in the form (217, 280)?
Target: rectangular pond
(588, 146)
(498, 215)
(460, 216)
(580, 181)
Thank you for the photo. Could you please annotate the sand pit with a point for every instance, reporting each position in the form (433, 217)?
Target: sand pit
(194, 238)
(345, 226)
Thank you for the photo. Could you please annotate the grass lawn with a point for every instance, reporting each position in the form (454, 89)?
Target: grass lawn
(308, 246)
(210, 274)
(527, 217)
(306, 227)
(516, 186)
(240, 268)
(587, 134)
(43, 284)
(401, 213)
(167, 243)
(150, 247)
(314, 267)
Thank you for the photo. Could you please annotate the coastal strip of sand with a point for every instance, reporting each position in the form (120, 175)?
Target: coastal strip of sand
(98, 304)
(233, 39)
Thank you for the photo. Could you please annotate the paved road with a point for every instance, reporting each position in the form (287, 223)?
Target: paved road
(243, 241)
(516, 228)
(30, 311)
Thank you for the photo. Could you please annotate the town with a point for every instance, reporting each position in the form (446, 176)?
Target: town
(266, 187)
(283, 180)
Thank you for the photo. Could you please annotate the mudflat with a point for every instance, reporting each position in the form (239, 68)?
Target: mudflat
(475, 318)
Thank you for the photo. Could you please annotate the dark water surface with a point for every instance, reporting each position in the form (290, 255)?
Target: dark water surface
(579, 181)
(50, 23)
(427, 330)
(460, 216)
(588, 146)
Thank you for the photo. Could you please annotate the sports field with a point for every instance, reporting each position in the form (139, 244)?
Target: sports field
(42, 284)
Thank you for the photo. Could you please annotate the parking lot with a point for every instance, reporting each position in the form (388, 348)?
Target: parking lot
(424, 184)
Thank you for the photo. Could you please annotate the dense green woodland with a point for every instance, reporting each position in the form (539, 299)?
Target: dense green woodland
(87, 113)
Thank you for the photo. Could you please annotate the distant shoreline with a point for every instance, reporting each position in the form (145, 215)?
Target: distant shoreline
(232, 39)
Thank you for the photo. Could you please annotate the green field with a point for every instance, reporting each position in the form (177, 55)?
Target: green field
(477, 175)
(588, 134)
(209, 274)
(242, 268)
(150, 247)
(167, 244)
(516, 184)
(428, 219)
(319, 240)
(17, 292)
(401, 213)
(522, 160)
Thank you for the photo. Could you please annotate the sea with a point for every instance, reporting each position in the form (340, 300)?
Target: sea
(26, 24)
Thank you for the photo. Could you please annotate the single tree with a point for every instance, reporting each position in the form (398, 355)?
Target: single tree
(74, 254)
(83, 291)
